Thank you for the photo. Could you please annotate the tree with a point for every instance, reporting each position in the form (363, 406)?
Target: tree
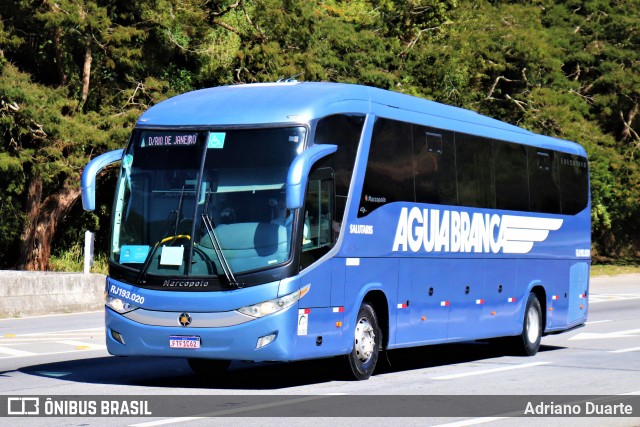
(48, 138)
(49, 146)
(563, 68)
(77, 73)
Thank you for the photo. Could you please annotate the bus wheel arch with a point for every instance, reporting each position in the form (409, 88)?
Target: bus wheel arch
(541, 294)
(370, 332)
(378, 301)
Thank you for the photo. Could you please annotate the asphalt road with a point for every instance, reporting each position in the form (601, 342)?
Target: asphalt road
(65, 355)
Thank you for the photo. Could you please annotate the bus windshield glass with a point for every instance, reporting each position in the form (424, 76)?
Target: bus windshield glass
(204, 203)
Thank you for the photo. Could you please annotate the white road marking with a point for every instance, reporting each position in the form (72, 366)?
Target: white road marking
(19, 339)
(32, 340)
(598, 321)
(596, 298)
(233, 411)
(46, 354)
(15, 353)
(472, 422)
(490, 371)
(630, 333)
(167, 421)
(51, 315)
(7, 340)
(65, 332)
(83, 345)
(625, 350)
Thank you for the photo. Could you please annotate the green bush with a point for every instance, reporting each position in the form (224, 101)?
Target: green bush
(72, 260)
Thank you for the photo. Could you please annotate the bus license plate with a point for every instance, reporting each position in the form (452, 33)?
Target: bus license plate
(181, 341)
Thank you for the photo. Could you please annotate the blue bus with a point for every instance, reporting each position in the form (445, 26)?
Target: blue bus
(291, 221)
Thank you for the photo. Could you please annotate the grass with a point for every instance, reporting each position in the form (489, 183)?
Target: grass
(614, 269)
(72, 260)
(615, 266)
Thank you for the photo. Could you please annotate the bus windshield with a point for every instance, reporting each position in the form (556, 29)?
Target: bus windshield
(204, 203)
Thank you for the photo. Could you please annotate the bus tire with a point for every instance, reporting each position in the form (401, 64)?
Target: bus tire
(531, 327)
(366, 343)
(209, 368)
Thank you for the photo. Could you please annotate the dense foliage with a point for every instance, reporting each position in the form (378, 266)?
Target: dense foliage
(75, 74)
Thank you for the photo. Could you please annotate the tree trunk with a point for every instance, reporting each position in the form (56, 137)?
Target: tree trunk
(86, 73)
(43, 218)
(57, 48)
(628, 131)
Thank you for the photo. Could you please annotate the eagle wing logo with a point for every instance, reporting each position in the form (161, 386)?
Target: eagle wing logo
(521, 232)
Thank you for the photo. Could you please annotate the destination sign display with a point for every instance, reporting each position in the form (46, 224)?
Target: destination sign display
(168, 139)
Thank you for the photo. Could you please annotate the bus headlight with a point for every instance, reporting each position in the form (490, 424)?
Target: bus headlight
(274, 305)
(118, 305)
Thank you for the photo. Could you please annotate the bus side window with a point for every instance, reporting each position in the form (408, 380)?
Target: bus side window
(434, 165)
(318, 212)
(474, 169)
(574, 183)
(343, 130)
(389, 176)
(512, 185)
(543, 181)
(318, 215)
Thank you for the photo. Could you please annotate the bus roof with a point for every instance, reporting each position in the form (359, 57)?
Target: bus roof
(300, 102)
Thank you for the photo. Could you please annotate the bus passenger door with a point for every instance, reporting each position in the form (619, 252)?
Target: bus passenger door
(322, 309)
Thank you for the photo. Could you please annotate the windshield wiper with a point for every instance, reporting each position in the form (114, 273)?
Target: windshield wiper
(178, 213)
(226, 268)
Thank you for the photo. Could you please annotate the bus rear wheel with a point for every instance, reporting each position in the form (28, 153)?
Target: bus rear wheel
(529, 340)
(366, 343)
(209, 367)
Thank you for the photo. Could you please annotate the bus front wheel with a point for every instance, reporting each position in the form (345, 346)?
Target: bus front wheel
(529, 340)
(366, 343)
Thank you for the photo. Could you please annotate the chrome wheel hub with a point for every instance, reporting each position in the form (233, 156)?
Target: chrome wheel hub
(533, 325)
(365, 340)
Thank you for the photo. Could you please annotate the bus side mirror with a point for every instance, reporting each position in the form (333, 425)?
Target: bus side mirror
(299, 172)
(88, 182)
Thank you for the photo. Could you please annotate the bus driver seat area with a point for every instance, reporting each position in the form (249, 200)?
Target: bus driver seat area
(250, 245)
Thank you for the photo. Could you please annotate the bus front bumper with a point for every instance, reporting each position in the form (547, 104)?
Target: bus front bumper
(126, 337)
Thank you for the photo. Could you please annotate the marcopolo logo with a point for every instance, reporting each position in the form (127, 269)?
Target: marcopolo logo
(185, 283)
(375, 199)
(433, 230)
